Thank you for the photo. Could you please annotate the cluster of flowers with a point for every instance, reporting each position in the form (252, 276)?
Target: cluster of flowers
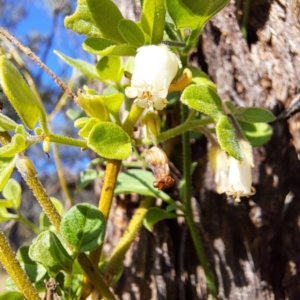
(154, 69)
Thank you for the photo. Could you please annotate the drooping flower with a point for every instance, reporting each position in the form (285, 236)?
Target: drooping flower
(239, 173)
(154, 69)
(219, 164)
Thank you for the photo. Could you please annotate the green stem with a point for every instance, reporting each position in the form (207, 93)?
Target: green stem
(187, 201)
(13, 268)
(110, 179)
(61, 175)
(25, 221)
(184, 127)
(117, 257)
(60, 139)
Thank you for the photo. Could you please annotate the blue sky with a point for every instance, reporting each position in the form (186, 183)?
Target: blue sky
(40, 19)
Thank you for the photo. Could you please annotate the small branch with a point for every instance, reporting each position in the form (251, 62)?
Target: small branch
(29, 53)
(13, 268)
(117, 257)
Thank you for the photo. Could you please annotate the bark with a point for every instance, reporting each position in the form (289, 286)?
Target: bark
(253, 246)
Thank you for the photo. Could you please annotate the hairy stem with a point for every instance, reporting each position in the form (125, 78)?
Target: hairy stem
(13, 268)
(117, 257)
(29, 53)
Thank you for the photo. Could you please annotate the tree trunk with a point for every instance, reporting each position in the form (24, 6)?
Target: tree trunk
(253, 246)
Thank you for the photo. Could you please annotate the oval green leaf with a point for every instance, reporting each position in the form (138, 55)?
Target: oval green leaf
(94, 106)
(257, 134)
(131, 33)
(7, 123)
(109, 68)
(81, 21)
(36, 272)
(83, 227)
(141, 182)
(99, 46)
(106, 16)
(19, 94)
(227, 137)
(153, 19)
(110, 141)
(17, 145)
(12, 191)
(80, 65)
(6, 167)
(49, 252)
(254, 115)
(204, 99)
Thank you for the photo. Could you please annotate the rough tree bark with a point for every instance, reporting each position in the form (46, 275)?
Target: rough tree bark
(253, 246)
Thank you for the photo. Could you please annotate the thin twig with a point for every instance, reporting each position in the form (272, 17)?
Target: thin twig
(29, 53)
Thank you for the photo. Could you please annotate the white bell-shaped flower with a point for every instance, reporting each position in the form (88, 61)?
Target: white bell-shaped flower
(219, 164)
(154, 69)
(239, 174)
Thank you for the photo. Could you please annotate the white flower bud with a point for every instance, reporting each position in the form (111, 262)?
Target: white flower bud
(219, 164)
(239, 174)
(154, 69)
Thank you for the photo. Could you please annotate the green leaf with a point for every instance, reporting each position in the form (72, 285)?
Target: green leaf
(193, 14)
(86, 177)
(227, 138)
(201, 78)
(257, 134)
(36, 272)
(12, 191)
(49, 252)
(94, 106)
(99, 46)
(87, 128)
(17, 145)
(7, 123)
(204, 99)
(80, 65)
(83, 227)
(12, 296)
(140, 182)
(81, 21)
(6, 216)
(109, 68)
(6, 167)
(153, 19)
(254, 115)
(19, 94)
(154, 215)
(131, 33)
(110, 141)
(113, 103)
(106, 16)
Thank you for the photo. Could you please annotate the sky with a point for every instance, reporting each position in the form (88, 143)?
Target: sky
(40, 19)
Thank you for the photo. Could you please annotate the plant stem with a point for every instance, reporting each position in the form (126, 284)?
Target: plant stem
(184, 127)
(187, 201)
(117, 257)
(95, 277)
(28, 172)
(13, 268)
(61, 175)
(60, 139)
(22, 219)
